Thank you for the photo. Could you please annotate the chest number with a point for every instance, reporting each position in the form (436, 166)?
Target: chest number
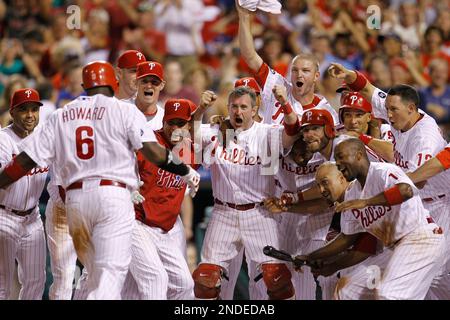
(84, 142)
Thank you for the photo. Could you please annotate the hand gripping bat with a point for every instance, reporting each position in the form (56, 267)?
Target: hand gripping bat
(283, 255)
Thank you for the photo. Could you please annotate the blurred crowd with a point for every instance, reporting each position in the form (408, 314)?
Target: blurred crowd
(45, 43)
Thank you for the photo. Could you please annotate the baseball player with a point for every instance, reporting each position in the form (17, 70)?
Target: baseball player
(417, 138)
(256, 290)
(300, 87)
(319, 135)
(21, 230)
(62, 253)
(432, 167)
(150, 82)
(383, 201)
(234, 170)
(158, 263)
(355, 114)
(90, 132)
(126, 73)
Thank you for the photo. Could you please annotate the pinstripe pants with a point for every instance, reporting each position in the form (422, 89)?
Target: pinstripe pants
(100, 222)
(22, 239)
(230, 230)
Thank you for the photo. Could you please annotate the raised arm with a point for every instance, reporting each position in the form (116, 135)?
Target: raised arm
(251, 57)
(354, 79)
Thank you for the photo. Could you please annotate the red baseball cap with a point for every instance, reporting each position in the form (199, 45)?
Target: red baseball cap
(130, 59)
(22, 96)
(248, 82)
(149, 68)
(354, 100)
(179, 109)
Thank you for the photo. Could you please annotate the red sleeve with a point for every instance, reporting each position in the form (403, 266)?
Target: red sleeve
(261, 75)
(366, 243)
(444, 158)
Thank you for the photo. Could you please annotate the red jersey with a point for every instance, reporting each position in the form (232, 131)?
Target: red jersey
(163, 192)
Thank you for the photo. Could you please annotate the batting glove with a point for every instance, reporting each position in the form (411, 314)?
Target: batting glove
(136, 197)
(192, 179)
(289, 198)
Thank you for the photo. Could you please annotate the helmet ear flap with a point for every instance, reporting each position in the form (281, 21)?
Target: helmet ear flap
(330, 132)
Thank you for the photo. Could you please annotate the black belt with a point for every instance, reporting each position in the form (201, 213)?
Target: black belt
(18, 212)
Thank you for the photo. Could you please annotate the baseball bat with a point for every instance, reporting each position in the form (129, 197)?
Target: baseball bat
(282, 255)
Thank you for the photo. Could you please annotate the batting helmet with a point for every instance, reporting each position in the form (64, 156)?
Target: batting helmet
(319, 117)
(354, 100)
(99, 74)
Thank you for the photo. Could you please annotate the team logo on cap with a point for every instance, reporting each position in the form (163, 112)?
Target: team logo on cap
(353, 98)
(139, 55)
(176, 105)
(308, 115)
(246, 81)
(28, 93)
(151, 65)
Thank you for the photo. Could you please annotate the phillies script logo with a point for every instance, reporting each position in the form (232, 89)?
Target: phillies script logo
(176, 105)
(28, 93)
(151, 65)
(369, 215)
(246, 82)
(140, 56)
(35, 170)
(399, 160)
(169, 180)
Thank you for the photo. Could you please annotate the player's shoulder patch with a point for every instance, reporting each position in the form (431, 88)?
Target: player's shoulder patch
(382, 95)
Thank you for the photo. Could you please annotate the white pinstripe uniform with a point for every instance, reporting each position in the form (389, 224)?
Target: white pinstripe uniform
(130, 289)
(236, 178)
(412, 149)
(21, 236)
(60, 245)
(96, 137)
(415, 250)
(271, 113)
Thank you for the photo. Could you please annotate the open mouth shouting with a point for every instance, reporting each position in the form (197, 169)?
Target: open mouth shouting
(148, 93)
(299, 84)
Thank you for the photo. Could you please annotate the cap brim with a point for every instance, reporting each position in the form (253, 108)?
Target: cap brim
(171, 117)
(149, 74)
(28, 101)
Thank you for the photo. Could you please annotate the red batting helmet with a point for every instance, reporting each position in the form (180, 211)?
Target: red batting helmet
(99, 74)
(319, 117)
(354, 100)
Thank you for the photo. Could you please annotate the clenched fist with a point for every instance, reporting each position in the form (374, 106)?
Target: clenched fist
(280, 94)
(208, 98)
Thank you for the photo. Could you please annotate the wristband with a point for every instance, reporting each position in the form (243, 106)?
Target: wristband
(287, 108)
(444, 158)
(178, 169)
(393, 196)
(14, 170)
(292, 129)
(365, 138)
(359, 83)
